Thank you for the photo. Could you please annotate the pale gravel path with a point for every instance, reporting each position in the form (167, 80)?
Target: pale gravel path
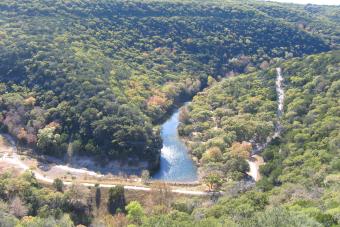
(255, 161)
(254, 167)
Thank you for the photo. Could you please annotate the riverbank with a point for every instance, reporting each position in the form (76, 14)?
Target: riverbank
(177, 167)
(10, 160)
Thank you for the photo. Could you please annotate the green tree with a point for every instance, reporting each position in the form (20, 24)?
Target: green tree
(135, 212)
(280, 217)
(213, 181)
(98, 196)
(116, 200)
(58, 185)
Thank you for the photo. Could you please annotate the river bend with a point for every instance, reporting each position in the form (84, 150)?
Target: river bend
(176, 163)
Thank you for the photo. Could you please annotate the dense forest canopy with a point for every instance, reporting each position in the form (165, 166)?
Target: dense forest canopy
(304, 160)
(221, 120)
(96, 77)
(300, 184)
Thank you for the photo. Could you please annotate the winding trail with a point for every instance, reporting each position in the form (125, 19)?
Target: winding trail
(254, 166)
(10, 157)
(256, 160)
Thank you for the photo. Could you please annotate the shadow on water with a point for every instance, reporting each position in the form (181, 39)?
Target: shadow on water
(165, 165)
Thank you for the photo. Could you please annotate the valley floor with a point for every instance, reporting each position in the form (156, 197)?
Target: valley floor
(11, 160)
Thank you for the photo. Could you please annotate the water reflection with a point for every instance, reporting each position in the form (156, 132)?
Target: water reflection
(175, 162)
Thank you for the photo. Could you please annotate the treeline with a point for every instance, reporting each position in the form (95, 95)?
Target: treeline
(315, 19)
(302, 165)
(24, 202)
(96, 77)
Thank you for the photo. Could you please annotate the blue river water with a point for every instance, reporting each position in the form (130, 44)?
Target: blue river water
(175, 163)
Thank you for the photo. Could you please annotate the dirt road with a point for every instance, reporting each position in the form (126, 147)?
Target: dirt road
(10, 157)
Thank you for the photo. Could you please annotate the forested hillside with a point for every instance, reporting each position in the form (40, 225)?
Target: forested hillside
(300, 184)
(318, 20)
(99, 75)
(302, 165)
(221, 119)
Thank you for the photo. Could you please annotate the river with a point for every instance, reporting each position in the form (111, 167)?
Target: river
(10, 158)
(175, 163)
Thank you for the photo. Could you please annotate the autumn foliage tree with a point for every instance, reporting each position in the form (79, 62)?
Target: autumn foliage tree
(213, 154)
(242, 150)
